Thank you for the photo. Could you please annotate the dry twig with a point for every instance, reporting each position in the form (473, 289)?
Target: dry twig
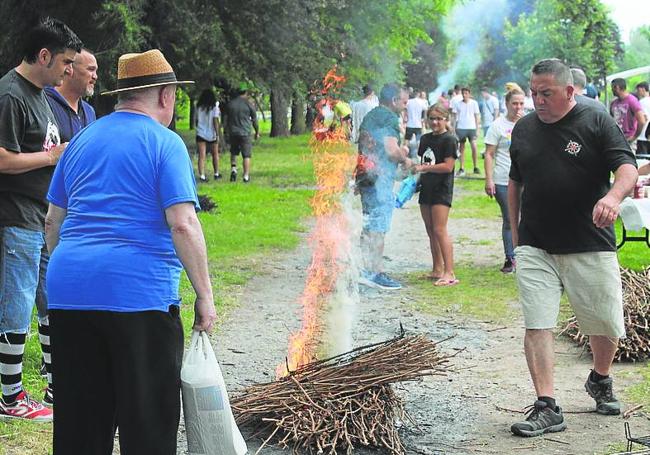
(636, 307)
(342, 402)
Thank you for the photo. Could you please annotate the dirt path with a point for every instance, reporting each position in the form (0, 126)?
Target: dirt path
(458, 414)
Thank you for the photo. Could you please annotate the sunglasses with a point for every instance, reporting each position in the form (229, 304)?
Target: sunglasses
(437, 119)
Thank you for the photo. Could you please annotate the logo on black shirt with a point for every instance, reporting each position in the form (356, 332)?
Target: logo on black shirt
(573, 148)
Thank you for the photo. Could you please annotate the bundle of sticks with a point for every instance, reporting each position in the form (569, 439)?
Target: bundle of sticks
(636, 309)
(346, 401)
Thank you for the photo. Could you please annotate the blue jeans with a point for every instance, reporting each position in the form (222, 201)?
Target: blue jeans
(23, 264)
(377, 203)
(506, 233)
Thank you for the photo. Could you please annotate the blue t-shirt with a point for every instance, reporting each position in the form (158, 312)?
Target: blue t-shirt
(115, 253)
(377, 125)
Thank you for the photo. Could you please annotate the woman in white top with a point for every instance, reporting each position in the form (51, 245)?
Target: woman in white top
(207, 132)
(497, 149)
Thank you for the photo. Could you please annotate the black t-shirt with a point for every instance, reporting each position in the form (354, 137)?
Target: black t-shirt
(27, 125)
(435, 148)
(564, 168)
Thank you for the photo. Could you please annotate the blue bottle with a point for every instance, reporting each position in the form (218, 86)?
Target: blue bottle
(406, 191)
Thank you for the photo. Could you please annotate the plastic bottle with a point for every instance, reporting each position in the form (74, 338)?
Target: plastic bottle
(406, 191)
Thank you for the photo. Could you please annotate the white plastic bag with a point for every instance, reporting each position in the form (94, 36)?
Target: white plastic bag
(209, 423)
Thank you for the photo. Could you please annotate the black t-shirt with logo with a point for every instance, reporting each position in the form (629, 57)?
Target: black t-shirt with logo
(564, 168)
(27, 125)
(435, 148)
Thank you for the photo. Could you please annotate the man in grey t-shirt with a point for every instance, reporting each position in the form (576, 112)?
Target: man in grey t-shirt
(239, 120)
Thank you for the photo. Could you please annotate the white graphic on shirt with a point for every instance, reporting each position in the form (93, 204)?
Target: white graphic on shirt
(52, 138)
(573, 148)
(428, 157)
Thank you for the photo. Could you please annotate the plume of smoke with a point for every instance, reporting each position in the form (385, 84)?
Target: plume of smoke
(466, 27)
(345, 298)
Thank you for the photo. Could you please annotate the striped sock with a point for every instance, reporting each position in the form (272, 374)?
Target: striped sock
(12, 348)
(44, 338)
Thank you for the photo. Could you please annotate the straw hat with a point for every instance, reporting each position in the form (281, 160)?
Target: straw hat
(148, 69)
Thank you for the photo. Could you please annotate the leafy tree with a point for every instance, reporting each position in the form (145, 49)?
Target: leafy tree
(581, 33)
(637, 51)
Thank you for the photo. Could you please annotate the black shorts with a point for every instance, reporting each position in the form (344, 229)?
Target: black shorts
(200, 139)
(642, 147)
(463, 134)
(241, 144)
(438, 190)
(412, 131)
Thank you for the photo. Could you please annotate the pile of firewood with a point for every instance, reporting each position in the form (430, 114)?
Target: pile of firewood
(340, 403)
(636, 308)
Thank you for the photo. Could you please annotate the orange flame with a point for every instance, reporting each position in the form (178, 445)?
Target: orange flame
(334, 159)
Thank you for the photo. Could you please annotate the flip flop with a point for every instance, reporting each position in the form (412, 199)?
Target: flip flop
(445, 283)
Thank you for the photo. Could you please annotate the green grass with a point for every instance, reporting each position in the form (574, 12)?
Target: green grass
(250, 224)
(483, 293)
(27, 438)
(477, 206)
(632, 255)
(476, 185)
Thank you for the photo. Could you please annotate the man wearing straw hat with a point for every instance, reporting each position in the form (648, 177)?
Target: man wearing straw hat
(120, 227)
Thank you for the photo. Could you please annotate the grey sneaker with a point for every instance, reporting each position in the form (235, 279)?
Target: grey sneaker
(540, 419)
(601, 391)
(461, 172)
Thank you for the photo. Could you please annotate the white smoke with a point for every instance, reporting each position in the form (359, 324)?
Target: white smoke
(342, 305)
(466, 27)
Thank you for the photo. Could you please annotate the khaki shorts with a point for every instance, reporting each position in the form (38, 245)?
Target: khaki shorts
(592, 282)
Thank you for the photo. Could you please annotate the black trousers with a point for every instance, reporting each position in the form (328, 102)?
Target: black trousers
(116, 370)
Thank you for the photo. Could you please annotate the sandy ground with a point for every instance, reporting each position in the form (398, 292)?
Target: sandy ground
(470, 410)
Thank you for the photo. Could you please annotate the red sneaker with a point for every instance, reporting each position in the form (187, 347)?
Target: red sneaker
(25, 408)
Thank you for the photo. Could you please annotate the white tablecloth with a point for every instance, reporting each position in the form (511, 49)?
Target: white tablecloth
(635, 213)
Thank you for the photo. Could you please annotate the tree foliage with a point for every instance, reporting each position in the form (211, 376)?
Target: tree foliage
(580, 33)
(637, 51)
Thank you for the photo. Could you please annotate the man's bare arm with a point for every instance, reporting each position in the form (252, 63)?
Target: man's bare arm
(606, 209)
(189, 243)
(53, 221)
(641, 120)
(395, 152)
(19, 163)
(514, 207)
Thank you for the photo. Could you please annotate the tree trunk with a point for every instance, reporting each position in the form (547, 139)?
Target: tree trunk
(192, 112)
(297, 114)
(279, 107)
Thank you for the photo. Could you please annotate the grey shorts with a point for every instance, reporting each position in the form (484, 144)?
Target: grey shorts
(465, 134)
(592, 282)
(241, 144)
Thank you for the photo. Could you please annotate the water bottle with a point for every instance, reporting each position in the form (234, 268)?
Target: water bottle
(406, 191)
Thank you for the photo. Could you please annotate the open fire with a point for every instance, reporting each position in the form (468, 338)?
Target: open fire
(330, 241)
